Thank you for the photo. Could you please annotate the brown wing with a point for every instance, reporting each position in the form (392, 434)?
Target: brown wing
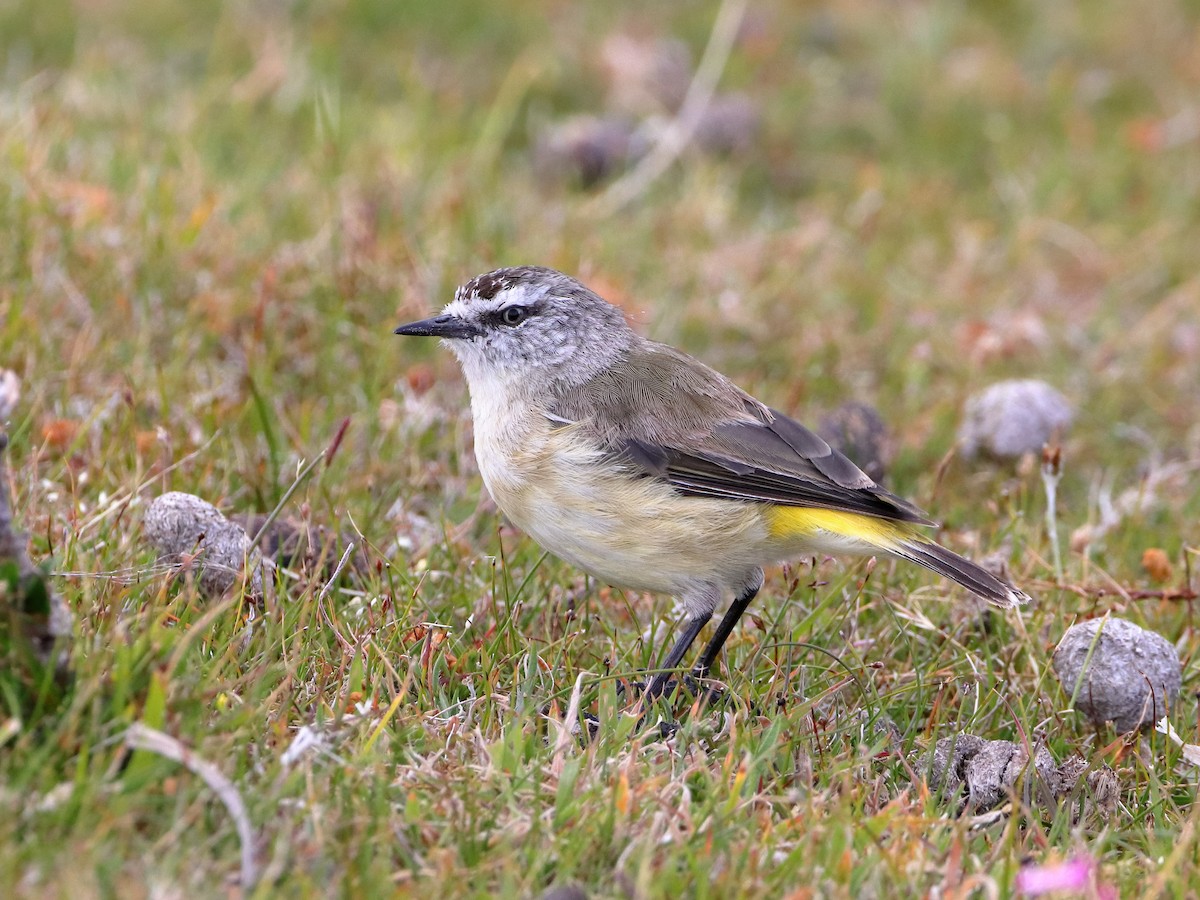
(676, 419)
(779, 461)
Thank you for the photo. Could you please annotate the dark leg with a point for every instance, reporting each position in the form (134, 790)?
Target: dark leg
(725, 628)
(691, 628)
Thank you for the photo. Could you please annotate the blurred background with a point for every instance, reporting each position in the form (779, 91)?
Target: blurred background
(879, 194)
(213, 214)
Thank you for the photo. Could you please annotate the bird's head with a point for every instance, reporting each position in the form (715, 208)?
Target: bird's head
(528, 324)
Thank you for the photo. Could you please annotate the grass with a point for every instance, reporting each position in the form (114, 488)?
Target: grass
(216, 213)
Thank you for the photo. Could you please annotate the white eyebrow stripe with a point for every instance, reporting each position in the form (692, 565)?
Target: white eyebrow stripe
(516, 295)
(465, 307)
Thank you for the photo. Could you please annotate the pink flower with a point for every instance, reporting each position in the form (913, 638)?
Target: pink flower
(1078, 874)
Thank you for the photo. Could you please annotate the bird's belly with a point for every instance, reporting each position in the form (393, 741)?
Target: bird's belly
(632, 532)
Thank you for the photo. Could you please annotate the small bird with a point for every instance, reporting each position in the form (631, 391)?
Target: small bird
(651, 471)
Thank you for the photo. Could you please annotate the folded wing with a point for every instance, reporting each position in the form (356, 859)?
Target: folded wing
(776, 461)
(671, 417)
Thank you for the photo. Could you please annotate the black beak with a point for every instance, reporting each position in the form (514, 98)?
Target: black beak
(441, 326)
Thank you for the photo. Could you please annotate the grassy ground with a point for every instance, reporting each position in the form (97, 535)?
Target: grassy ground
(215, 213)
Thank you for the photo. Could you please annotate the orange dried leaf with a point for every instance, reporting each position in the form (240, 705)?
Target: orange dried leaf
(1157, 564)
(1145, 135)
(415, 634)
(623, 799)
(85, 203)
(846, 864)
(145, 441)
(59, 433)
(420, 378)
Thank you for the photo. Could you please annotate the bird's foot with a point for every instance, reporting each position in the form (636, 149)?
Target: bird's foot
(696, 685)
(702, 692)
(590, 725)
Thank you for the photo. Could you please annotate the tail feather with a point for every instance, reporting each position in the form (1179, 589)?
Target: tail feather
(972, 576)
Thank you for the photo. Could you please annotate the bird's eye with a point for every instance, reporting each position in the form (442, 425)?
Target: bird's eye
(514, 315)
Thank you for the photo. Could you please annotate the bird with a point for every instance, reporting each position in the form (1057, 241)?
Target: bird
(651, 471)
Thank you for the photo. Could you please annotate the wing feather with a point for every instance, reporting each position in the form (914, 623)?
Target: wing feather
(675, 419)
(748, 461)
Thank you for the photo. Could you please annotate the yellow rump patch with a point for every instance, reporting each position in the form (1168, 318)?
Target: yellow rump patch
(797, 521)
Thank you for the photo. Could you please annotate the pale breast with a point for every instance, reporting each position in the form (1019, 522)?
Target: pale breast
(558, 486)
